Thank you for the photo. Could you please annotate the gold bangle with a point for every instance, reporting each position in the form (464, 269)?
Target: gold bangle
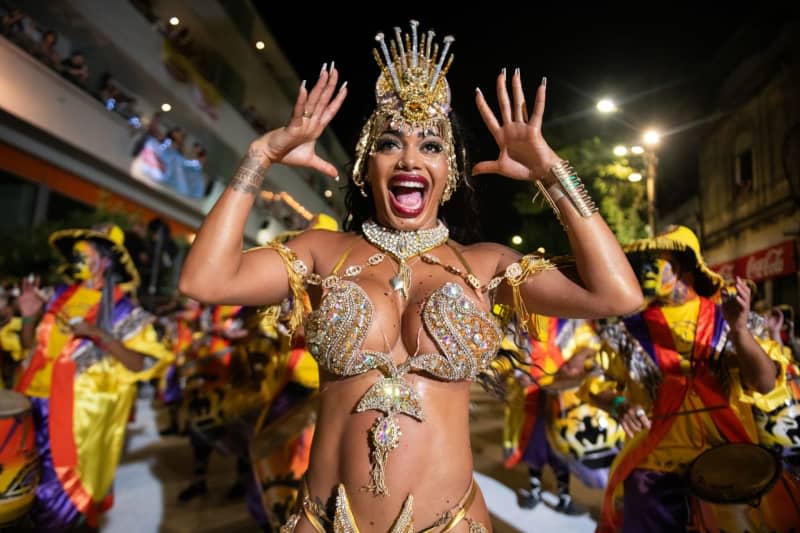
(555, 192)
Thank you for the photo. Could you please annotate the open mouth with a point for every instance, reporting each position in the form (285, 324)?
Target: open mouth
(408, 193)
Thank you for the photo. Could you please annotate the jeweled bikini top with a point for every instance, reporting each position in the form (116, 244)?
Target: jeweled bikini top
(467, 338)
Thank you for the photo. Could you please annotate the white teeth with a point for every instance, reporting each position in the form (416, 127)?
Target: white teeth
(408, 184)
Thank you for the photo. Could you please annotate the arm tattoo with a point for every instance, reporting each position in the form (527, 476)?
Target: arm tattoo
(249, 176)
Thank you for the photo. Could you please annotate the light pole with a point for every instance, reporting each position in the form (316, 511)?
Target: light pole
(651, 139)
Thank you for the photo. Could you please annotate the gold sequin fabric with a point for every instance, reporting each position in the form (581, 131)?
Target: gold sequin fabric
(336, 331)
(467, 336)
(344, 520)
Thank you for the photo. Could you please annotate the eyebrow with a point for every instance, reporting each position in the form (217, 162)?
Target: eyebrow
(421, 134)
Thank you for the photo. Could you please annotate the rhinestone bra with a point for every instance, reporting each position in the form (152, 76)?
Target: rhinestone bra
(467, 336)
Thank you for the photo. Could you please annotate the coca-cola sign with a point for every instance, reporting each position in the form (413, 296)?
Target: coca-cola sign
(772, 262)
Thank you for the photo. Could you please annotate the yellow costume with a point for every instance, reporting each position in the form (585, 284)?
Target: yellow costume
(81, 395)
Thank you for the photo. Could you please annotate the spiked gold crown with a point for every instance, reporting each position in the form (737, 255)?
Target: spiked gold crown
(412, 84)
(412, 91)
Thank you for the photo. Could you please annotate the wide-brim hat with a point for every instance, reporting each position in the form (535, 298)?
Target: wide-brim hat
(109, 236)
(682, 240)
(320, 221)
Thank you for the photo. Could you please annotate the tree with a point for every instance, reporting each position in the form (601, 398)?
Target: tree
(621, 202)
(27, 249)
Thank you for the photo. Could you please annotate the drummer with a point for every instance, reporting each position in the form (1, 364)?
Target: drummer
(91, 347)
(207, 385)
(558, 354)
(681, 377)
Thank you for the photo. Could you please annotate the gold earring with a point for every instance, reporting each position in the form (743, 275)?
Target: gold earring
(360, 184)
(449, 189)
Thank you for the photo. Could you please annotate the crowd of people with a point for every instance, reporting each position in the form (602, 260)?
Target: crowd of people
(334, 363)
(162, 153)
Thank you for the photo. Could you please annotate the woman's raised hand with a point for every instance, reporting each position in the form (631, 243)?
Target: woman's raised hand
(294, 144)
(524, 154)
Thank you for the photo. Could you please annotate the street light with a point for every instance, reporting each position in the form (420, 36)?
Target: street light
(650, 138)
(606, 105)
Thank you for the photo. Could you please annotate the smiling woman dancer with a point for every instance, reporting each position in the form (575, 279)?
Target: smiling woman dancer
(402, 313)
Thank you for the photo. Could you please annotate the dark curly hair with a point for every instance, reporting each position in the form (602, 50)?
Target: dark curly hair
(460, 213)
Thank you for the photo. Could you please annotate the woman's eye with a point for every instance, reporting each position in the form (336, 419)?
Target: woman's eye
(432, 147)
(387, 144)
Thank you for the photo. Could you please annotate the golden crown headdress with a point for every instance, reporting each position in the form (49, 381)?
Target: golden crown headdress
(411, 90)
(412, 85)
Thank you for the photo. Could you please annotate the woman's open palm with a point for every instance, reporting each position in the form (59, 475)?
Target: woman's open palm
(524, 154)
(295, 143)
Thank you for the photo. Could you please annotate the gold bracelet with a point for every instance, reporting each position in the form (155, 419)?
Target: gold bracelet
(555, 192)
(574, 188)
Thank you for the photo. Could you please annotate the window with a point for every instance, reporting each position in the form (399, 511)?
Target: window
(743, 170)
(17, 200)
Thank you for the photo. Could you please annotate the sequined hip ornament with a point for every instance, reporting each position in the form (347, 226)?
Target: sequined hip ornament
(391, 395)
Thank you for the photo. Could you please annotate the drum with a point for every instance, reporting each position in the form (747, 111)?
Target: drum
(19, 467)
(779, 429)
(730, 485)
(279, 453)
(584, 436)
(203, 395)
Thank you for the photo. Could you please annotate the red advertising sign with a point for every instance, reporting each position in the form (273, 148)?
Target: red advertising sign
(772, 262)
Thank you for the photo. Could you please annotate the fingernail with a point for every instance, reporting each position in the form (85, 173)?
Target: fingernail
(478, 90)
(516, 71)
(503, 72)
(324, 66)
(303, 84)
(544, 81)
(343, 85)
(332, 65)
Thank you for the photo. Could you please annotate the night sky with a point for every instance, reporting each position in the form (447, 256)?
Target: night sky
(661, 68)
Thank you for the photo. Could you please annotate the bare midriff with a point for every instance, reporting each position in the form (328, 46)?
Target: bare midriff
(433, 461)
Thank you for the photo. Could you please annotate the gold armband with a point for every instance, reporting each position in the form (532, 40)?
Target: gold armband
(296, 271)
(516, 274)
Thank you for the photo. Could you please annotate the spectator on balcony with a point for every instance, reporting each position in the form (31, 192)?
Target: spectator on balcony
(46, 50)
(194, 175)
(177, 138)
(21, 29)
(75, 69)
(13, 23)
(114, 98)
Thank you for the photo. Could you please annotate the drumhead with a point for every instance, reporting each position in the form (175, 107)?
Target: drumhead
(734, 473)
(13, 403)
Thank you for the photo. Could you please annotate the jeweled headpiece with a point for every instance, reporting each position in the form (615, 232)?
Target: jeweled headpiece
(412, 91)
